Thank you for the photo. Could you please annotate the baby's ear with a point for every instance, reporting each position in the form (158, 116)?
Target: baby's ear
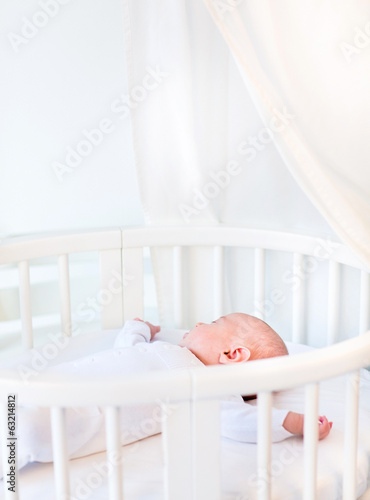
(236, 354)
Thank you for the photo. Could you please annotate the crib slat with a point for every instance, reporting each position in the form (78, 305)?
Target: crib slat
(25, 304)
(206, 450)
(259, 282)
(218, 281)
(333, 301)
(298, 303)
(133, 283)
(177, 286)
(177, 452)
(351, 437)
(264, 436)
(114, 453)
(60, 452)
(365, 302)
(64, 291)
(112, 283)
(310, 440)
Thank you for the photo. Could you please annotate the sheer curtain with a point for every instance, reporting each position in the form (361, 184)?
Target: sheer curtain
(216, 124)
(312, 57)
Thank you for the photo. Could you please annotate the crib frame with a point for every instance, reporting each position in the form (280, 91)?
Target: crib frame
(196, 394)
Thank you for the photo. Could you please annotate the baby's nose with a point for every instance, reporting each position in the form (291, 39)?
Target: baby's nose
(198, 324)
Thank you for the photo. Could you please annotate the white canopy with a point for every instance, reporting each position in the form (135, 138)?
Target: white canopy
(260, 116)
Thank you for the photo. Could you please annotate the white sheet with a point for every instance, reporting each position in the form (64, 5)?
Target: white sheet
(143, 461)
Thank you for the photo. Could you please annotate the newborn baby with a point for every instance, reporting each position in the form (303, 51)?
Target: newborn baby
(235, 338)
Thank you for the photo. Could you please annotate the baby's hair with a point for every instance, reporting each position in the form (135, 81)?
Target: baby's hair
(267, 344)
(262, 341)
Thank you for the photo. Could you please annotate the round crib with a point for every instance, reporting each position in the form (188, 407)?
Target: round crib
(190, 435)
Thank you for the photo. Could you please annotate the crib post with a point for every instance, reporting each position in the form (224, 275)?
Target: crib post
(310, 441)
(64, 291)
(111, 288)
(365, 302)
(264, 437)
(259, 282)
(133, 283)
(114, 453)
(333, 301)
(298, 302)
(25, 303)
(206, 450)
(177, 287)
(60, 452)
(177, 450)
(218, 277)
(351, 437)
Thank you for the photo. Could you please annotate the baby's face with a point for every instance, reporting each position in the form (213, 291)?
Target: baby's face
(207, 341)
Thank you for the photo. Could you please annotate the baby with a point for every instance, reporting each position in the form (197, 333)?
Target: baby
(237, 338)
(234, 338)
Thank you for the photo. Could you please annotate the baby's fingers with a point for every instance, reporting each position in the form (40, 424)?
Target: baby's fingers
(324, 427)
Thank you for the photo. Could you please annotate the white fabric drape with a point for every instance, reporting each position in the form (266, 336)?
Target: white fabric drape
(205, 155)
(312, 56)
(180, 125)
(196, 121)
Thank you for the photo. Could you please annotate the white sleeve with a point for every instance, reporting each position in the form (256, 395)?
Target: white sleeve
(239, 422)
(132, 333)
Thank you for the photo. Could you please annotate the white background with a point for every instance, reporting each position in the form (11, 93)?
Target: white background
(61, 82)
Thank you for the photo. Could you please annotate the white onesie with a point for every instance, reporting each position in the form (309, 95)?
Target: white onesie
(133, 352)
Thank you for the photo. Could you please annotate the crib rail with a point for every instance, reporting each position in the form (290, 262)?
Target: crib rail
(302, 247)
(121, 252)
(273, 374)
(23, 249)
(235, 237)
(18, 249)
(196, 393)
(219, 237)
(202, 388)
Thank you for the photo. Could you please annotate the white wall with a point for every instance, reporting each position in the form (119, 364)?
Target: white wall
(62, 68)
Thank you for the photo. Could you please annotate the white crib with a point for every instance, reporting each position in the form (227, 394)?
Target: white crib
(190, 435)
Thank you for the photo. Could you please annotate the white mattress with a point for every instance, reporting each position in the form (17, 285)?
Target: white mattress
(142, 461)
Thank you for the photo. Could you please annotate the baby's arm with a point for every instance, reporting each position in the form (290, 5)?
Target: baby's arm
(153, 329)
(239, 422)
(294, 423)
(135, 331)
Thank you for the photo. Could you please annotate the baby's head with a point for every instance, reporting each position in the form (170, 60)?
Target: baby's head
(233, 338)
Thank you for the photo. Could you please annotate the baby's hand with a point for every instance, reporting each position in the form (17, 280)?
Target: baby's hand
(294, 423)
(153, 329)
(324, 427)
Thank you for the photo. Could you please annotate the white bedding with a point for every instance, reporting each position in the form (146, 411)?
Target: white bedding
(143, 469)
